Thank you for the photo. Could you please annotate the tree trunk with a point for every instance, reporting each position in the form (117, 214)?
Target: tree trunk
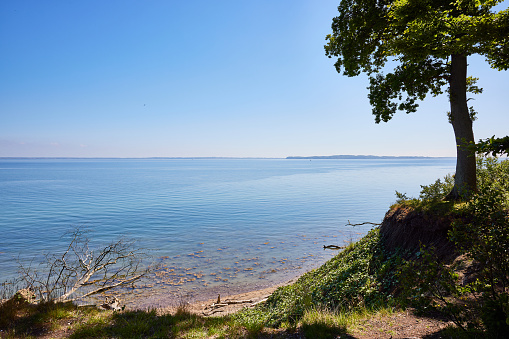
(465, 182)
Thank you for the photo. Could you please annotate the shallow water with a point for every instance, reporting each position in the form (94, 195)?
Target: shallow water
(212, 224)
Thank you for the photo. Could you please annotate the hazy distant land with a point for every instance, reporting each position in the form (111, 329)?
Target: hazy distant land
(357, 157)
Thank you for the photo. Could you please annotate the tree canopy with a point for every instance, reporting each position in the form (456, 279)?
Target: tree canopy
(428, 41)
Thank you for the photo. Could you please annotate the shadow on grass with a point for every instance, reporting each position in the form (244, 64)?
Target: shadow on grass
(23, 320)
(19, 318)
(323, 330)
(148, 324)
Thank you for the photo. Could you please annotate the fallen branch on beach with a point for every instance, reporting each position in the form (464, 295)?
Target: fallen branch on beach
(228, 302)
(335, 247)
(61, 275)
(258, 302)
(220, 306)
(103, 289)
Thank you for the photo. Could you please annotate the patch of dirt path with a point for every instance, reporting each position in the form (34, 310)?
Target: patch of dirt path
(402, 324)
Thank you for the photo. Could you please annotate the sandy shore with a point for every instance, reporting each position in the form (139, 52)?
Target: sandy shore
(166, 298)
(225, 304)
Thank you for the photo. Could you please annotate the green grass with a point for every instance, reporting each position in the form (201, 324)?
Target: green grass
(359, 277)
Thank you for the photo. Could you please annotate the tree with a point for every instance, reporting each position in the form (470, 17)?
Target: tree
(429, 42)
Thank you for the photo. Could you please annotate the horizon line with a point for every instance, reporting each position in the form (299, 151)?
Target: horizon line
(316, 157)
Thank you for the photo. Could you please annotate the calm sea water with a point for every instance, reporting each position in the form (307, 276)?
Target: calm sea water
(215, 225)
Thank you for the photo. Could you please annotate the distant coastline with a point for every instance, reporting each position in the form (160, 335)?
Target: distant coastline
(361, 157)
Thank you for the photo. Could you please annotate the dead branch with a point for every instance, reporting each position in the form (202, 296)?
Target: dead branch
(103, 289)
(61, 276)
(362, 223)
(258, 302)
(233, 302)
(220, 305)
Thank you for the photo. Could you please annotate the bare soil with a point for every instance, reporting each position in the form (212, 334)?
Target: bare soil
(403, 324)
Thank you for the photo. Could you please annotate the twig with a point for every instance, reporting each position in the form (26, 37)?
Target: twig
(362, 223)
(258, 302)
(233, 302)
(229, 302)
(102, 289)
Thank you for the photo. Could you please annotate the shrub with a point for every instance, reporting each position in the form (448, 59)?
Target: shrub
(482, 241)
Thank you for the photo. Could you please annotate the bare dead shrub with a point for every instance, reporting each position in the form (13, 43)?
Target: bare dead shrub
(80, 272)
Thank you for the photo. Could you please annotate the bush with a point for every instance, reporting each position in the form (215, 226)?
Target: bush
(485, 240)
(482, 241)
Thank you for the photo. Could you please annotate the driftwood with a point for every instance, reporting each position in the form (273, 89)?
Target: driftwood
(102, 289)
(362, 223)
(228, 302)
(219, 306)
(111, 304)
(258, 302)
(333, 247)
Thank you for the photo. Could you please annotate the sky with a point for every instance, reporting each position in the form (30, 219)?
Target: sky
(226, 78)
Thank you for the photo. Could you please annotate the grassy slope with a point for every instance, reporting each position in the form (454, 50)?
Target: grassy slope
(359, 277)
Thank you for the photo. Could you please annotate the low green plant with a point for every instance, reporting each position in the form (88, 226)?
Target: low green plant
(438, 190)
(318, 323)
(362, 276)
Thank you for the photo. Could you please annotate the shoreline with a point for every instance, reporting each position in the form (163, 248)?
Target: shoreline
(166, 301)
(240, 301)
(149, 296)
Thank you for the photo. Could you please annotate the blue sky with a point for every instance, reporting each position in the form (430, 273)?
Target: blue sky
(201, 78)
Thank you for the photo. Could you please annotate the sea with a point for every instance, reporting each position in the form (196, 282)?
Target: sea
(210, 226)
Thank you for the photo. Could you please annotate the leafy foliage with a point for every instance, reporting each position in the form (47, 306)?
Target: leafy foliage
(438, 190)
(490, 173)
(481, 291)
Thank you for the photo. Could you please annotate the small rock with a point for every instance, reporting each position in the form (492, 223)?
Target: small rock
(112, 303)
